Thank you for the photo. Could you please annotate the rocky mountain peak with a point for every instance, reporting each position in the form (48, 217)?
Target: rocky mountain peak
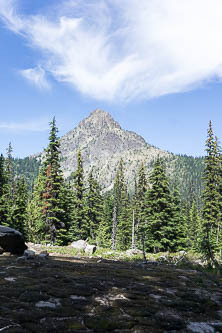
(99, 119)
(103, 143)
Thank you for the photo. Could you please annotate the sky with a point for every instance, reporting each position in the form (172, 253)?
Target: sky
(154, 65)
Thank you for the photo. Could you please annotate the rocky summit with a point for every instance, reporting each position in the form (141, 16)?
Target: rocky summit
(103, 143)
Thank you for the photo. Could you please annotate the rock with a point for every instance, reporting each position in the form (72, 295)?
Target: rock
(79, 245)
(200, 328)
(182, 253)
(90, 249)
(1, 250)
(133, 252)
(30, 254)
(12, 240)
(51, 303)
(43, 255)
(21, 259)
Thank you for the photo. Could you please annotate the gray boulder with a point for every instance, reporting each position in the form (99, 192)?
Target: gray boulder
(79, 245)
(90, 249)
(12, 240)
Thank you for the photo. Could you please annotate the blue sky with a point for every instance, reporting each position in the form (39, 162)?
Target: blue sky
(155, 65)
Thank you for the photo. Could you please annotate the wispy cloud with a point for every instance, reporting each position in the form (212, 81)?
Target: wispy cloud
(125, 49)
(36, 76)
(34, 126)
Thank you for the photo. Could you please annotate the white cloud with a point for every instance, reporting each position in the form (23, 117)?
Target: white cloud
(36, 76)
(34, 126)
(126, 49)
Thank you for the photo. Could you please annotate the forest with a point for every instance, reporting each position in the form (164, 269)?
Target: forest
(154, 218)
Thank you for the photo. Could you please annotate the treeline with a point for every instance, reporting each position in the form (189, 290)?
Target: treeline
(154, 218)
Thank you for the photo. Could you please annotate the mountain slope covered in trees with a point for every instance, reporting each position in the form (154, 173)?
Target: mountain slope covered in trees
(103, 143)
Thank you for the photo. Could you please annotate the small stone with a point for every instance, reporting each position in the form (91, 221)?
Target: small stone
(76, 298)
(200, 328)
(51, 303)
(30, 254)
(21, 259)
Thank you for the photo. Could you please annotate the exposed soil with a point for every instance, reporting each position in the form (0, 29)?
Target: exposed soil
(73, 294)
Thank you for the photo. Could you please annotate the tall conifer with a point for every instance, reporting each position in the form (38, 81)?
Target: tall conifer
(211, 200)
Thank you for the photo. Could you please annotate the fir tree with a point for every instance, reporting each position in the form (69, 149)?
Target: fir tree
(94, 204)
(194, 230)
(36, 228)
(79, 228)
(53, 187)
(46, 208)
(121, 230)
(3, 193)
(211, 200)
(105, 227)
(161, 228)
(139, 203)
(20, 206)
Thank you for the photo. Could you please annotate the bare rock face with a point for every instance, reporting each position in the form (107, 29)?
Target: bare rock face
(103, 143)
(12, 240)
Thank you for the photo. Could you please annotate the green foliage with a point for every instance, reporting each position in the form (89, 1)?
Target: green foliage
(19, 217)
(163, 220)
(211, 213)
(94, 206)
(121, 227)
(79, 228)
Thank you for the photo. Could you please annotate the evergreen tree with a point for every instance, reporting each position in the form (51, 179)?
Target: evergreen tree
(94, 204)
(178, 222)
(211, 200)
(3, 193)
(139, 203)
(19, 218)
(53, 209)
(161, 228)
(121, 229)
(79, 228)
(36, 228)
(7, 197)
(105, 227)
(194, 230)
(46, 208)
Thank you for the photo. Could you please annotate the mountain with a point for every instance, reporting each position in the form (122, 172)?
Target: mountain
(103, 143)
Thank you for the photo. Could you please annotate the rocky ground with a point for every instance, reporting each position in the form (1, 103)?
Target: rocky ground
(79, 294)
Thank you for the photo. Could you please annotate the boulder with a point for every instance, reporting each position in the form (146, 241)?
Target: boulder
(12, 240)
(90, 249)
(133, 252)
(79, 245)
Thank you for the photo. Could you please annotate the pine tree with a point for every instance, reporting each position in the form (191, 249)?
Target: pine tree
(3, 193)
(53, 209)
(211, 200)
(194, 230)
(105, 227)
(7, 198)
(94, 204)
(160, 224)
(121, 229)
(139, 203)
(46, 207)
(19, 218)
(79, 228)
(36, 228)
(178, 222)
